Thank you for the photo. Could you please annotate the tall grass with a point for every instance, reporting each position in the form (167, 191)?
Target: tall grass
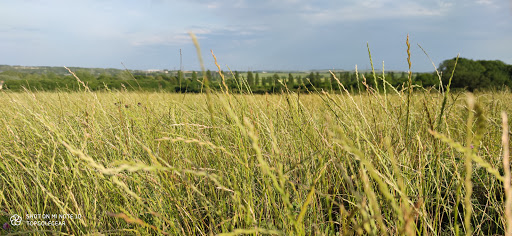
(426, 162)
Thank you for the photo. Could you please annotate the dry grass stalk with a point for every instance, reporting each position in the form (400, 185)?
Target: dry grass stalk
(506, 182)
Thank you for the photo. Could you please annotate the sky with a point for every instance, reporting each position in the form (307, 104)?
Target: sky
(253, 35)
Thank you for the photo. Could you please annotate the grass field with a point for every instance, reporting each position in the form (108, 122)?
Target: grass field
(288, 164)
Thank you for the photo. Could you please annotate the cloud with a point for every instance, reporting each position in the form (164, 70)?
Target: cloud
(293, 15)
(149, 40)
(174, 38)
(299, 33)
(224, 4)
(484, 2)
(372, 9)
(182, 37)
(212, 6)
(490, 4)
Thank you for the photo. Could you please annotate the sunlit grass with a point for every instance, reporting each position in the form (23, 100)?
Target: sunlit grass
(278, 164)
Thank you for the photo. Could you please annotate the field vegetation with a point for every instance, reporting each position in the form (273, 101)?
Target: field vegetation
(407, 160)
(470, 75)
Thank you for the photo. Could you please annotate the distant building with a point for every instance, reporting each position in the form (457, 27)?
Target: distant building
(154, 70)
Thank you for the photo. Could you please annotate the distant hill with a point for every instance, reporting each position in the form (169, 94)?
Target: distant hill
(60, 70)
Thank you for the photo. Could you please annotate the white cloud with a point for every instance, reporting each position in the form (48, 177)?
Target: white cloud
(225, 4)
(177, 39)
(212, 6)
(484, 2)
(375, 9)
(182, 37)
(490, 3)
(173, 38)
(199, 31)
(247, 31)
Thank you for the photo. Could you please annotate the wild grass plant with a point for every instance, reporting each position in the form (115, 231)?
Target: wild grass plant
(428, 162)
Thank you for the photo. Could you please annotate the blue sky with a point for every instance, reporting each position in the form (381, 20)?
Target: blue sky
(252, 35)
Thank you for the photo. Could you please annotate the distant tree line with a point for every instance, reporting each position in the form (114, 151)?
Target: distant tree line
(476, 75)
(468, 74)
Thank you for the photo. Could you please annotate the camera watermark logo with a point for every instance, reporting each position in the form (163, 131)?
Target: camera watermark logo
(41, 220)
(16, 220)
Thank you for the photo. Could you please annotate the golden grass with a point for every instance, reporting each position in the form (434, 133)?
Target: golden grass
(278, 164)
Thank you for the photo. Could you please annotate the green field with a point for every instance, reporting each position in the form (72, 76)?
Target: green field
(283, 164)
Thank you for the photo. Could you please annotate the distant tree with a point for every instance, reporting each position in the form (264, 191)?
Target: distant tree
(267, 82)
(52, 76)
(236, 83)
(275, 79)
(171, 79)
(250, 79)
(426, 80)
(344, 79)
(194, 76)
(179, 78)
(84, 75)
(390, 76)
(332, 82)
(311, 78)
(318, 79)
(401, 80)
(209, 75)
(257, 80)
(275, 82)
(291, 81)
(352, 80)
(468, 73)
(509, 69)
(496, 72)
(194, 86)
(104, 77)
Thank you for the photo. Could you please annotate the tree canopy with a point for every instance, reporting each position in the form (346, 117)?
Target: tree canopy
(478, 74)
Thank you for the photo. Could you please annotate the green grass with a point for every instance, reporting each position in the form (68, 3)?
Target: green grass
(158, 163)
